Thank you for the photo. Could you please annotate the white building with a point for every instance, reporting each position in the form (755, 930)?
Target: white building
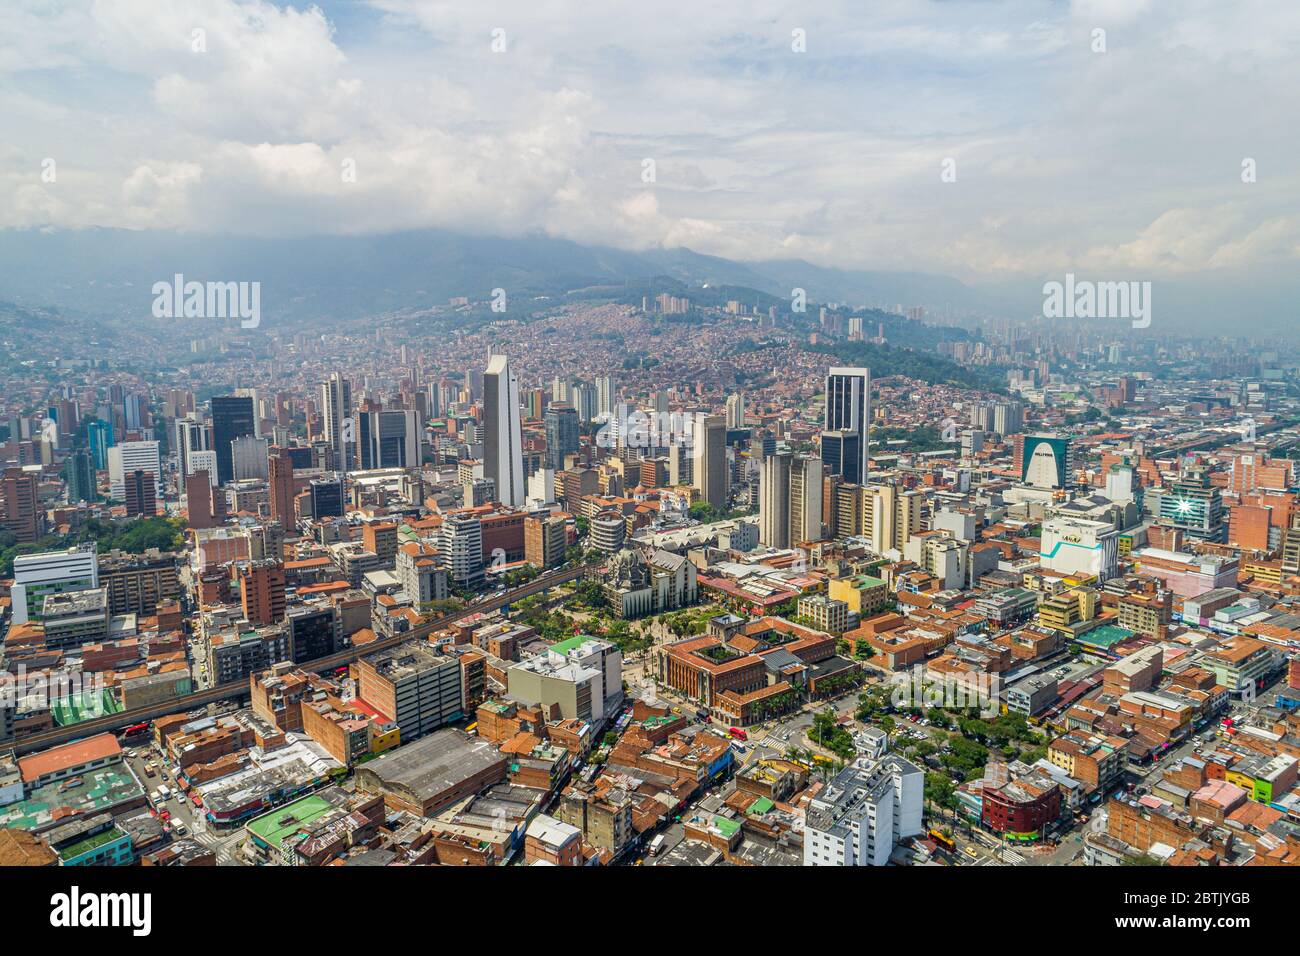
(129, 457)
(1079, 546)
(774, 501)
(250, 458)
(863, 813)
(503, 456)
(36, 575)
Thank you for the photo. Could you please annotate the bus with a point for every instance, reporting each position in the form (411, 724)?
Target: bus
(135, 730)
(947, 842)
(737, 734)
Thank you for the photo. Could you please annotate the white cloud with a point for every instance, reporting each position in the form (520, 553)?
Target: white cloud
(1066, 158)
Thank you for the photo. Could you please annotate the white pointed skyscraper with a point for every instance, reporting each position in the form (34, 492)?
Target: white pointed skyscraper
(503, 455)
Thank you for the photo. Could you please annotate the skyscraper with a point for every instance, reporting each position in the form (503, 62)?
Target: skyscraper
(79, 473)
(232, 417)
(503, 459)
(774, 501)
(848, 410)
(336, 407)
(561, 433)
(806, 499)
(389, 439)
(605, 394)
(126, 459)
(709, 464)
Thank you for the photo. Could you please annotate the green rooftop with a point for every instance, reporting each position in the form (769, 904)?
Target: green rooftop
(761, 806)
(280, 824)
(563, 647)
(725, 826)
(75, 709)
(90, 844)
(1106, 635)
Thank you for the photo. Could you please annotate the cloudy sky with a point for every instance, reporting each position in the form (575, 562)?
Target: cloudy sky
(1125, 162)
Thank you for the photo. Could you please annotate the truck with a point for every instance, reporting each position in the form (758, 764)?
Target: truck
(657, 845)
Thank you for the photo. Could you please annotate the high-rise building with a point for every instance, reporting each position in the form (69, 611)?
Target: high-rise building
(140, 494)
(774, 501)
(866, 810)
(248, 457)
(281, 490)
(1044, 461)
(388, 439)
(736, 410)
(198, 499)
(261, 591)
(336, 408)
(806, 499)
(36, 575)
(79, 473)
(503, 460)
(545, 540)
(848, 409)
(709, 465)
(327, 497)
(561, 433)
(191, 436)
(1195, 506)
(232, 417)
(126, 459)
(842, 454)
(460, 546)
(606, 394)
(99, 436)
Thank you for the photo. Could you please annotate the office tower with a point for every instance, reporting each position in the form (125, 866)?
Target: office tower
(774, 501)
(1044, 461)
(584, 400)
(248, 456)
(541, 488)
(327, 497)
(503, 459)
(140, 494)
(561, 433)
(606, 396)
(198, 499)
(79, 473)
(534, 400)
(388, 439)
(36, 575)
(261, 591)
(474, 384)
(281, 490)
(545, 540)
(232, 417)
(191, 436)
(736, 410)
(1195, 506)
(99, 436)
(315, 630)
(709, 460)
(806, 486)
(460, 546)
(848, 409)
(336, 409)
(127, 458)
(842, 454)
(680, 464)
(205, 461)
